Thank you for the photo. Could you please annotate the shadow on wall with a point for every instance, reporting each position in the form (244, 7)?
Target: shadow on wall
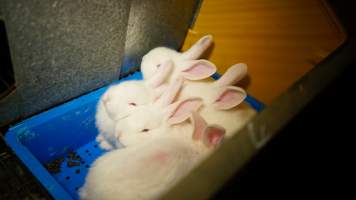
(7, 81)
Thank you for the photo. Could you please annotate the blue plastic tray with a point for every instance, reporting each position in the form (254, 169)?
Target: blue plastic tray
(54, 133)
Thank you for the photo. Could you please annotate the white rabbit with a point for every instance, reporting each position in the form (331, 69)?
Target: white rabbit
(122, 99)
(154, 59)
(137, 127)
(222, 101)
(219, 103)
(190, 69)
(145, 172)
(157, 67)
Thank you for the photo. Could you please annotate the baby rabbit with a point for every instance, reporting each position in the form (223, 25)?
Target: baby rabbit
(122, 99)
(220, 98)
(222, 101)
(218, 102)
(148, 171)
(154, 59)
(137, 127)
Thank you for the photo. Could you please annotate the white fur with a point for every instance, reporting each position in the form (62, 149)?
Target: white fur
(121, 100)
(232, 119)
(145, 171)
(115, 105)
(129, 131)
(150, 117)
(154, 58)
(106, 127)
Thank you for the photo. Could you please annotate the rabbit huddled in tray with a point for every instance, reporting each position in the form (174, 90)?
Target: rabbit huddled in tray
(223, 101)
(148, 170)
(166, 134)
(158, 68)
(220, 97)
(161, 148)
(122, 99)
(218, 102)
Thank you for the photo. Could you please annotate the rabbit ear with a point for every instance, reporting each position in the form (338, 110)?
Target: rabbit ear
(198, 48)
(229, 97)
(197, 69)
(232, 75)
(161, 74)
(158, 91)
(199, 124)
(106, 97)
(210, 135)
(213, 135)
(170, 93)
(182, 110)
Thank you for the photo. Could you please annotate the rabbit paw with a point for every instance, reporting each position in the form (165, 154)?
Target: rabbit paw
(103, 143)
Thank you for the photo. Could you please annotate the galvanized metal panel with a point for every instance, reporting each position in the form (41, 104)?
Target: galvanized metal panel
(60, 50)
(155, 23)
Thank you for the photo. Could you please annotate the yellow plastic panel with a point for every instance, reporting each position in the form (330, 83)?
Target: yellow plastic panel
(280, 40)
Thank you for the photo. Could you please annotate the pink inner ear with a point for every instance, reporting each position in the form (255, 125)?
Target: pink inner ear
(230, 98)
(199, 70)
(182, 112)
(213, 135)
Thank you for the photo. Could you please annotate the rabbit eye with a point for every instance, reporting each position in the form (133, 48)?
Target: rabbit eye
(132, 104)
(158, 65)
(145, 130)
